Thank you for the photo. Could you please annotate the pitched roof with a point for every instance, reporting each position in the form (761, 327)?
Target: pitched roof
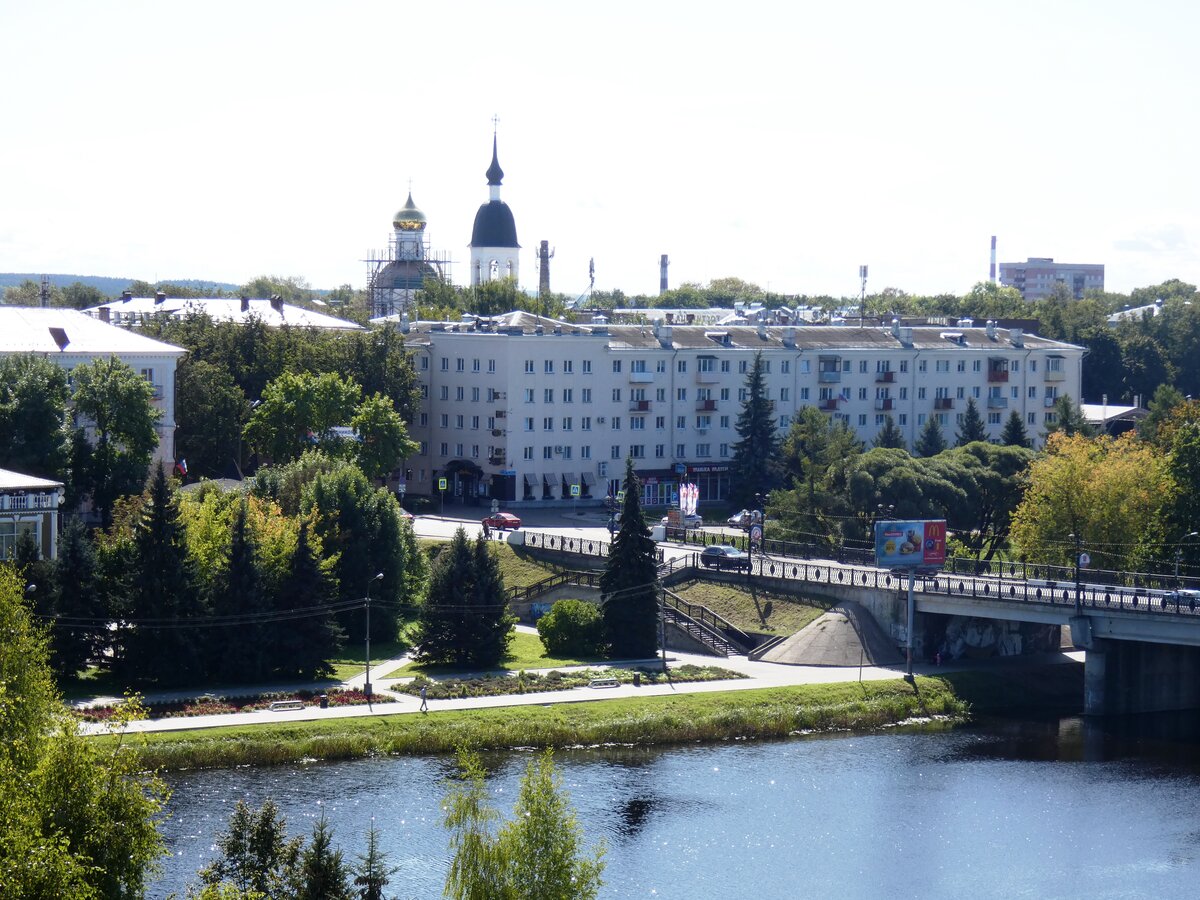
(15, 481)
(222, 309)
(25, 329)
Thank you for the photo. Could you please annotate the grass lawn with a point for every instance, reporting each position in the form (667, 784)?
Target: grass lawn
(350, 661)
(734, 603)
(524, 652)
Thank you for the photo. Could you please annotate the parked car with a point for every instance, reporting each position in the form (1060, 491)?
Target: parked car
(723, 556)
(405, 514)
(502, 521)
(744, 519)
(691, 520)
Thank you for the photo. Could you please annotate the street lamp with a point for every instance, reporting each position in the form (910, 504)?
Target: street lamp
(367, 683)
(1179, 552)
(1078, 586)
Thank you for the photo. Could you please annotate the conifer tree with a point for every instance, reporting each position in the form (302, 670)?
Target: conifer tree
(238, 651)
(372, 874)
(1014, 433)
(890, 435)
(322, 874)
(77, 597)
(629, 584)
(254, 854)
(163, 599)
(755, 465)
(972, 428)
(932, 440)
(304, 645)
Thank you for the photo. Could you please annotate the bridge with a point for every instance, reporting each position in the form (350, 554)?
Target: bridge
(1142, 641)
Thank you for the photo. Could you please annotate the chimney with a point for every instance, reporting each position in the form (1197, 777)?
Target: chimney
(404, 323)
(991, 329)
(992, 267)
(789, 336)
(105, 313)
(762, 330)
(126, 295)
(691, 318)
(670, 318)
(664, 337)
(544, 255)
(245, 303)
(1016, 336)
(277, 303)
(663, 262)
(159, 297)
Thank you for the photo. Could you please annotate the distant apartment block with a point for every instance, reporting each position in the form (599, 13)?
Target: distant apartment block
(1036, 277)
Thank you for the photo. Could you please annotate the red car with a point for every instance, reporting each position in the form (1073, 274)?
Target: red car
(502, 521)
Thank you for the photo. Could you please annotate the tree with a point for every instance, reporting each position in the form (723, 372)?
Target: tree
(372, 873)
(34, 438)
(255, 855)
(814, 445)
(303, 647)
(972, 427)
(80, 820)
(465, 619)
(163, 596)
(209, 410)
(239, 652)
(890, 435)
(754, 467)
(77, 598)
(537, 856)
(993, 477)
(114, 404)
(1068, 418)
(321, 873)
(572, 628)
(629, 583)
(299, 410)
(1165, 400)
(931, 441)
(1014, 433)
(383, 439)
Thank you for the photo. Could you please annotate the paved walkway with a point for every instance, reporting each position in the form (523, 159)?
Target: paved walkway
(758, 675)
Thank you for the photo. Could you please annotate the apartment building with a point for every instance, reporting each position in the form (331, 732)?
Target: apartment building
(535, 411)
(1037, 276)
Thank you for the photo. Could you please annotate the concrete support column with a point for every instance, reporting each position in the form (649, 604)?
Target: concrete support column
(1133, 677)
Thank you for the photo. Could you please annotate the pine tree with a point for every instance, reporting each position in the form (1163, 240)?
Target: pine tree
(890, 435)
(629, 584)
(254, 854)
(77, 598)
(755, 466)
(302, 647)
(1014, 433)
(972, 428)
(1069, 418)
(322, 874)
(489, 621)
(931, 441)
(372, 873)
(238, 651)
(162, 588)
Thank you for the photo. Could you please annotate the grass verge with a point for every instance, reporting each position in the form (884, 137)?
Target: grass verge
(771, 613)
(685, 718)
(525, 651)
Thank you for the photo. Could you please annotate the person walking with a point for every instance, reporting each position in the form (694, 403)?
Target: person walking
(424, 700)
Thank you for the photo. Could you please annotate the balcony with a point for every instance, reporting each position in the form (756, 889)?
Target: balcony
(641, 377)
(1049, 402)
(706, 405)
(883, 403)
(997, 376)
(497, 396)
(829, 376)
(501, 413)
(829, 405)
(943, 403)
(888, 377)
(639, 405)
(1056, 374)
(708, 376)
(997, 403)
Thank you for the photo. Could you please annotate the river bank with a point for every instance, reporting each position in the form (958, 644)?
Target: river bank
(664, 720)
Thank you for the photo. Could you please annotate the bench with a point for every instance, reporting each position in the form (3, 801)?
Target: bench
(281, 705)
(604, 683)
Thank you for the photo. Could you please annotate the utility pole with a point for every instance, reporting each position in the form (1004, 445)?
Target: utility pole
(367, 683)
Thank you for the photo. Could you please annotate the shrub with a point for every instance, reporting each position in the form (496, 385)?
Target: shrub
(572, 628)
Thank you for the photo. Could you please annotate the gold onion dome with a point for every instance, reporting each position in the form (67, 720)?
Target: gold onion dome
(409, 218)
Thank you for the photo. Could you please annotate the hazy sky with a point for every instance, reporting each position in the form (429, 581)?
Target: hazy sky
(785, 143)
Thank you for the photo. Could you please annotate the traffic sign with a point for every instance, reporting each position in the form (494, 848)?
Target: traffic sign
(620, 496)
(574, 490)
(441, 484)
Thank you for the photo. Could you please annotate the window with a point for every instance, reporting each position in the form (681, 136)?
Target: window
(921, 419)
(491, 367)
(785, 395)
(547, 452)
(474, 451)
(903, 393)
(528, 454)
(616, 423)
(587, 367)
(975, 392)
(681, 394)
(445, 448)
(529, 423)
(566, 423)
(862, 419)
(1054, 364)
(904, 365)
(424, 363)
(475, 422)
(743, 394)
(743, 366)
(903, 417)
(660, 422)
(529, 367)
(548, 423)
(882, 393)
(921, 365)
(637, 423)
(567, 452)
(724, 393)
(803, 393)
(941, 393)
(960, 392)
(585, 452)
(568, 395)
(1051, 418)
(680, 451)
(706, 364)
(724, 421)
(424, 419)
(424, 452)
(703, 450)
(424, 392)
(878, 420)
(862, 366)
(725, 367)
(528, 395)
(862, 393)
(445, 364)
(459, 394)
(660, 366)
(585, 395)
(616, 395)
(785, 367)
(568, 366)
(637, 451)
(704, 422)
(475, 394)
(993, 418)
(1032, 368)
(548, 395)
(660, 450)
(681, 421)
(660, 395)
(474, 365)
(548, 367)
(1033, 392)
(723, 451)
(445, 392)
(806, 367)
(960, 365)
(1033, 418)
(703, 393)
(445, 420)
(586, 423)
(977, 365)
(784, 421)
(615, 452)
(460, 365)
(1016, 392)
(681, 367)
(942, 365)
(616, 367)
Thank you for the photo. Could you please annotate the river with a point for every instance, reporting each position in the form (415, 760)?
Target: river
(1045, 809)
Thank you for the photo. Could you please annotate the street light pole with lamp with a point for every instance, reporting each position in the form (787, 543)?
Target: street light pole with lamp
(367, 683)
(1081, 560)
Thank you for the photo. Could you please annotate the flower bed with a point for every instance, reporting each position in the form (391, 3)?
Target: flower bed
(533, 682)
(208, 704)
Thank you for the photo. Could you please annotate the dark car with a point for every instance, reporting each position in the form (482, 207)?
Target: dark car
(724, 557)
(502, 521)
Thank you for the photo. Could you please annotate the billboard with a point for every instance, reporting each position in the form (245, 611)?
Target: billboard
(911, 545)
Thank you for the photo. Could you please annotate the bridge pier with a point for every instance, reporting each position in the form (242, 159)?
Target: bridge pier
(1137, 677)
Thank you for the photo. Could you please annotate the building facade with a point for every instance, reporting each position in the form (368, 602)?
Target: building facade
(522, 408)
(29, 505)
(1036, 277)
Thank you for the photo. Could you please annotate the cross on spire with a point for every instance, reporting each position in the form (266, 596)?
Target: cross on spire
(495, 123)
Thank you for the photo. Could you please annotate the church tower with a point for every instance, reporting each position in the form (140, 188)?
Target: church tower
(494, 238)
(395, 276)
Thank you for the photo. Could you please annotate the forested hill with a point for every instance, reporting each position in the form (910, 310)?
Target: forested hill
(109, 286)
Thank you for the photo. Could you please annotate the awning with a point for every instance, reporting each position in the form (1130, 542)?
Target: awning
(530, 480)
(569, 478)
(589, 479)
(549, 479)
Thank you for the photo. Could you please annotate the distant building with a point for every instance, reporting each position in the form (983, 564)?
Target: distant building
(68, 337)
(29, 505)
(133, 311)
(494, 247)
(1036, 277)
(398, 273)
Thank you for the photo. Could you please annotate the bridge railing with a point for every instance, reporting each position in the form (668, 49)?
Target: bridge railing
(562, 543)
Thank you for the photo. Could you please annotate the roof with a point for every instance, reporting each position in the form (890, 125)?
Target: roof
(15, 481)
(409, 218)
(495, 174)
(131, 310)
(1136, 313)
(1102, 414)
(494, 226)
(26, 329)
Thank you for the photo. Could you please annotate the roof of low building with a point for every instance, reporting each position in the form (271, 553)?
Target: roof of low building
(16, 481)
(53, 330)
(133, 310)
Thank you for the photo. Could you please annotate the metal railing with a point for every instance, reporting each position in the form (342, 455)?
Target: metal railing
(711, 620)
(561, 543)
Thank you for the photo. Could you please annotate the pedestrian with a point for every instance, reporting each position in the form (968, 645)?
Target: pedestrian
(487, 532)
(424, 700)
(937, 658)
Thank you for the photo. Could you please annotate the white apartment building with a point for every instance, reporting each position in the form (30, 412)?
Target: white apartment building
(521, 408)
(69, 337)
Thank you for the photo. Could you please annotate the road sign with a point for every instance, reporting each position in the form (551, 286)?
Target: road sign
(756, 534)
(441, 484)
(620, 496)
(1085, 560)
(495, 505)
(574, 490)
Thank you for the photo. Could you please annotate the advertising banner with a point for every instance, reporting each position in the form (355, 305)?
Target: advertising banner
(911, 545)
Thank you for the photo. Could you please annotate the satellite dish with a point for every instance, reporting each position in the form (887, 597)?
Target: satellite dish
(495, 432)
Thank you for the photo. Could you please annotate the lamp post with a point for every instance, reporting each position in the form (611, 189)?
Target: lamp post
(1078, 586)
(367, 683)
(1179, 552)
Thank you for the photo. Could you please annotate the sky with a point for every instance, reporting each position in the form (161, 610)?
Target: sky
(781, 143)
